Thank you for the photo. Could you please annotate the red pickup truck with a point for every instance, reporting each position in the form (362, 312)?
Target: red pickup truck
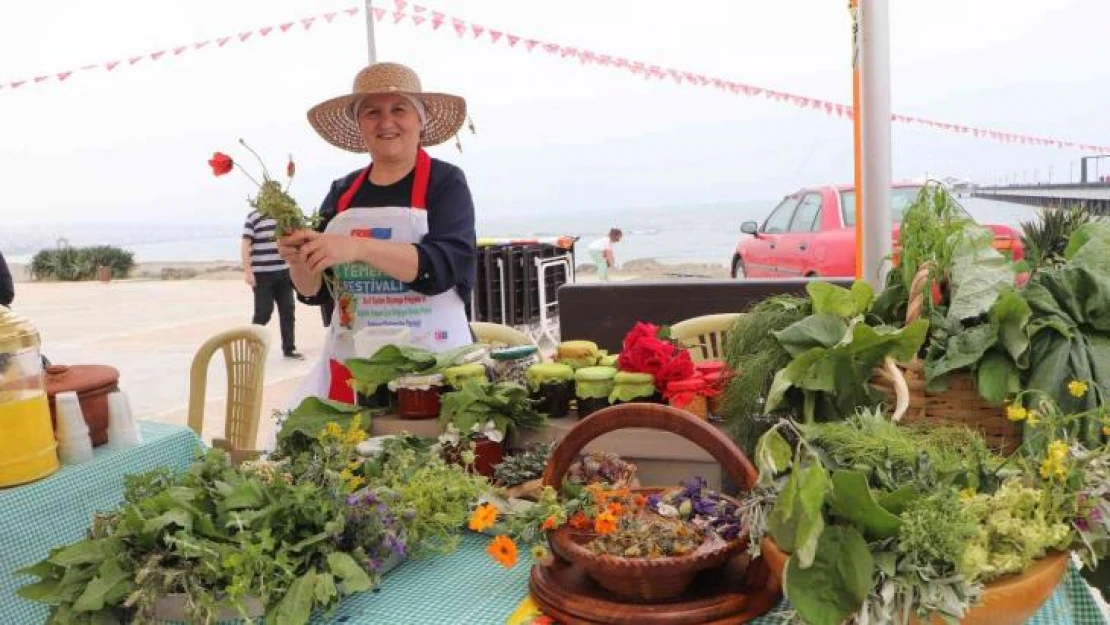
(812, 233)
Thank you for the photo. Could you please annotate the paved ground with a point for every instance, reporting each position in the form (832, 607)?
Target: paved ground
(150, 330)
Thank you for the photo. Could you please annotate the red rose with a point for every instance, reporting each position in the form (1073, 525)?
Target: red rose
(639, 332)
(290, 169)
(647, 355)
(679, 367)
(221, 163)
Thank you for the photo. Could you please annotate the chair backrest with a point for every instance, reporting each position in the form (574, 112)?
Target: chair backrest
(704, 336)
(499, 335)
(245, 349)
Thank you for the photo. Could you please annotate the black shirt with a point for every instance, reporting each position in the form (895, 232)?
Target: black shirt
(447, 254)
(7, 286)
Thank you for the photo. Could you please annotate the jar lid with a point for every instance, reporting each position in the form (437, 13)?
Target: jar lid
(548, 372)
(630, 377)
(455, 375)
(595, 374)
(609, 360)
(417, 381)
(16, 333)
(687, 385)
(514, 353)
(79, 378)
(577, 349)
(475, 355)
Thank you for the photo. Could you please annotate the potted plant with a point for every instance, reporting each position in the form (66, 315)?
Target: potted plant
(934, 523)
(483, 415)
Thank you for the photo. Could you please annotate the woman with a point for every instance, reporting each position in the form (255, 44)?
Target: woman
(396, 243)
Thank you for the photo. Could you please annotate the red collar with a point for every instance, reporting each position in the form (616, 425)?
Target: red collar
(419, 184)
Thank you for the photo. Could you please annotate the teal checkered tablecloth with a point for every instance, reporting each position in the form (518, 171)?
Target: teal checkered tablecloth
(58, 510)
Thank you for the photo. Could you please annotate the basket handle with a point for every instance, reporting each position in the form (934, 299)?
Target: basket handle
(917, 291)
(655, 417)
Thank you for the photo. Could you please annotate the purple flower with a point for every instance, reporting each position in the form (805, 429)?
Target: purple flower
(352, 499)
(396, 545)
(653, 501)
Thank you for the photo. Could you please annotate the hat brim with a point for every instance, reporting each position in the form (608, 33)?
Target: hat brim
(332, 120)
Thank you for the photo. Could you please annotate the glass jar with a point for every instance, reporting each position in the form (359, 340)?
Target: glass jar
(28, 450)
(510, 364)
(418, 395)
(455, 377)
(552, 387)
(632, 387)
(577, 354)
(689, 395)
(593, 386)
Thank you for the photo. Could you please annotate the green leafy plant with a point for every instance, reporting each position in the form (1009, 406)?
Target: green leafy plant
(81, 263)
(393, 361)
(525, 465)
(833, 353)
(494, 410)
(1045, 240)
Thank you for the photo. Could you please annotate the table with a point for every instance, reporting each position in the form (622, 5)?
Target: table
(58, 510)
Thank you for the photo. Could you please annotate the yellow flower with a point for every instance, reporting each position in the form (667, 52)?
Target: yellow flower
(542, 555)
(1015, 412)
(331, 430)
(1055, 464)
(1058, 450)
(503, 549)
(1106, 430)
(355, 482)
(967, 493)
(1034, 418)
(483, 518)
(355, 433)
(1077, 388)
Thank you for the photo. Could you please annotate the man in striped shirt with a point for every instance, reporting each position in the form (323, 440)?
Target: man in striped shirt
(266, 273)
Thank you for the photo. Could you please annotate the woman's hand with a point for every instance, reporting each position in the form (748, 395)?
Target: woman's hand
(319, 251)
(289, 248)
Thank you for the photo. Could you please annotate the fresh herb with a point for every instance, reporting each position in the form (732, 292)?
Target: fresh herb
(393, 361)
(523, 466)
(1045, 240)
(507, 405)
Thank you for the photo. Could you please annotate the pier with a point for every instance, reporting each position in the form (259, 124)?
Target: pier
(1095, 195)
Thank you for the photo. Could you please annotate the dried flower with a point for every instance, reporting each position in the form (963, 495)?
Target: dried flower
(503, 549)
(580, 521)
(483, 518)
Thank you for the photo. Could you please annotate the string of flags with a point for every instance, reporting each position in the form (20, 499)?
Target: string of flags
(404, 11)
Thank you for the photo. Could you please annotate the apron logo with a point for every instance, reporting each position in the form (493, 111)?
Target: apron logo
(441, 335)
(373, 233)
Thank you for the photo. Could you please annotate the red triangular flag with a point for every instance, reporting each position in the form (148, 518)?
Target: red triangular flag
(307, 22)
(605, 59)
(568, 51)
(265, 30)
(17, 83)
(200, 44)
(418, 19)
(329, 17)
(133, 60)
(63, 75)
(353, 11)
(460, 26)
(244, 36)
(111, 65)
(286, 26)
(828, 108)
(551, 48)
(494, 35)
(222, 40)
(512, 40)
(400, 4)
(397, 17)
(178, 50)
(437, 21)
(676, 75)
(418, 9)
(154, 55)
(478, 30)
(530, 44)
(379, 14)
(41, 78)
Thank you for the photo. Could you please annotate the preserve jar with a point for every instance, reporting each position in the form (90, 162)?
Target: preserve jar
(28, 450)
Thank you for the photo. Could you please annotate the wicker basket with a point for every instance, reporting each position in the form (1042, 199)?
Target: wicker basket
(960, 404)
(644, 580)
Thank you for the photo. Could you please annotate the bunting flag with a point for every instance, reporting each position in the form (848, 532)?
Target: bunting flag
(407, 12)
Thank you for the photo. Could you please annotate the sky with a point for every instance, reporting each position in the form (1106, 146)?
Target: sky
(130, 146)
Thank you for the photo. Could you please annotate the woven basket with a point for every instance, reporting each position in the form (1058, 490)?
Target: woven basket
(960, 404)
(647, 580)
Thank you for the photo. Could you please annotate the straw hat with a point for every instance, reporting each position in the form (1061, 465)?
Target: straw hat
(334, 119)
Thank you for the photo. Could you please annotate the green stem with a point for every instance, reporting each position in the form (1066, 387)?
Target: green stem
(247, 174)
(265, 172)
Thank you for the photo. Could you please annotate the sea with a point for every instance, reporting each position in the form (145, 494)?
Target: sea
(669, 234)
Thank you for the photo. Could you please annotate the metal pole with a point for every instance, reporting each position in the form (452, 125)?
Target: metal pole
(857, 137)
(875, 94)
(370, 49)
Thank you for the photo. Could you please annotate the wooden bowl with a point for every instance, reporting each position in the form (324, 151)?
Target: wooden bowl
(1009, 600)
(645, 580)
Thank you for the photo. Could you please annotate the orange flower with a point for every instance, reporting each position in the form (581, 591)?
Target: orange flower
(483, 518)
(550, 523)
(580, 521)
(503, 549)
(605, 523)
(615, 508)
(639, 500)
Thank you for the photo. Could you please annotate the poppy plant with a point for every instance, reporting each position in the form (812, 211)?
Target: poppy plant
(220, 163)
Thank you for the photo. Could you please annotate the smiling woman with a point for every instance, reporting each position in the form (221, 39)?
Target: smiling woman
(395, 245)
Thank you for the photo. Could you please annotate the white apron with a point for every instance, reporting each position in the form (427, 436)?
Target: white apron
(366, 297)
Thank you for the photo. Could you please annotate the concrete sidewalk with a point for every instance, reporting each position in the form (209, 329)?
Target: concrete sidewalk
(150, 330)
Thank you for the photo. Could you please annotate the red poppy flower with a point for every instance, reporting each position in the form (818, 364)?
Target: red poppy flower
(290, 169)
(640, 331)
(220, 163)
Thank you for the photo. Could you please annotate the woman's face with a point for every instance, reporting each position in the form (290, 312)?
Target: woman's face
(390, 127)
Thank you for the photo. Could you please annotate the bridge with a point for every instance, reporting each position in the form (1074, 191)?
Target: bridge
(1094, 195)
